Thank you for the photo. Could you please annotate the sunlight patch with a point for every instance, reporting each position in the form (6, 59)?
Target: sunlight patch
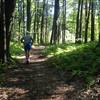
(6, 93)
(64, 88)
(20, 57)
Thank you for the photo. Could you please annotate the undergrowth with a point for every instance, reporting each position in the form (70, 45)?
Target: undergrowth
(16, 48)
(82, 59)
(3, 68)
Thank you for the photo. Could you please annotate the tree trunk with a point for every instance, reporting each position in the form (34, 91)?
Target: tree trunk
(87, 16)
(55, 23)
(37, 22)
(34, 28)
(42, 24)
(23, 17)
(92, 20)
(99, 23)
(64, 21)
(7, 8)
(2, 53)
(80, 25)
(28, 16)
(20, 14)
(46, 24)
(77, 21)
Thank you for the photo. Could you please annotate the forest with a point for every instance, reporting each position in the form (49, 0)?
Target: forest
(64, 57)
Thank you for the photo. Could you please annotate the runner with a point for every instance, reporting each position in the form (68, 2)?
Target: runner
(27, 42)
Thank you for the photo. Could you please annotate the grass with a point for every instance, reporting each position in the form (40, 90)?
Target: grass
(83, 60)
(16, 48)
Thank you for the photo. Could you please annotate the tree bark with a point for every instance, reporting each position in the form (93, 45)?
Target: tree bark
(28, 16)
(55, 23)
(99, 23)
(46, 23)
(6, 10)
(80, 25)
(42, 24)
(77, 21)
(92, 20)
(1, 32)
(64, 21)
(87, 16)
(9, 9)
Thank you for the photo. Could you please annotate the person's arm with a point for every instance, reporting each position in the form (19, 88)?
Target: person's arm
(31, 40)
(22, 40)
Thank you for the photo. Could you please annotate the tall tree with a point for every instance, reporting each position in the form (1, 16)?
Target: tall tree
(80, 25)
(35, 17)
(28, 16)
(20, 13)
(23, 17)
(87, 16)
(37, 20)
(99, 21)
(42, 24)
(46, 23)
(6, 11)
(55, 23)
(64, 21)
(2, 53)
(9, 9)
(77, 21)
(92, 20)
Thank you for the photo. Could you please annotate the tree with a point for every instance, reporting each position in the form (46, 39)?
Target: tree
(23, 17)
(6, 12)
(77, 21)
(28, 16)
(36, 35)
(42, 24)
(80, 24)
(55, 23)
(20, 13)
(46, 23)
(99, 21)
(34, 28)
(9, 9)
(92, 20)
(64, 21)
(87, 16)
(2, 53)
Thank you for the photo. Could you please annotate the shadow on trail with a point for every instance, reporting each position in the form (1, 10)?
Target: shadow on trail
(35, 81)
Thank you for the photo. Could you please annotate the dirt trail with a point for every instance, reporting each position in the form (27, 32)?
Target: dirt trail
(38, 81)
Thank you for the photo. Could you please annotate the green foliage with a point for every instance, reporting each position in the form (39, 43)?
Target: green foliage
(83, 60)
(16, 48)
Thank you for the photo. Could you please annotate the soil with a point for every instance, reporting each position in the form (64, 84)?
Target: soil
(39, 81)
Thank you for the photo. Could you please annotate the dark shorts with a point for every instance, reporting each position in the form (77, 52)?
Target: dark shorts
(27, 47)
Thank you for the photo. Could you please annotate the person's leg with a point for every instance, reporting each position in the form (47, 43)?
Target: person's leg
(27, 52)
(27, 56)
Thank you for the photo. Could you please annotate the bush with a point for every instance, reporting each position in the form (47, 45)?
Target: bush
(16, 48)
(83, 60)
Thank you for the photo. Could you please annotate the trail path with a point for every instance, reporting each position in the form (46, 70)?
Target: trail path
(38, 81)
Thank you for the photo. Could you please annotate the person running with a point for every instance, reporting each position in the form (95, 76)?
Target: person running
(27, 42)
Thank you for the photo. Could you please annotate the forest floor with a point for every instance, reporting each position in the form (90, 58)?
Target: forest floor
(39, 81)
